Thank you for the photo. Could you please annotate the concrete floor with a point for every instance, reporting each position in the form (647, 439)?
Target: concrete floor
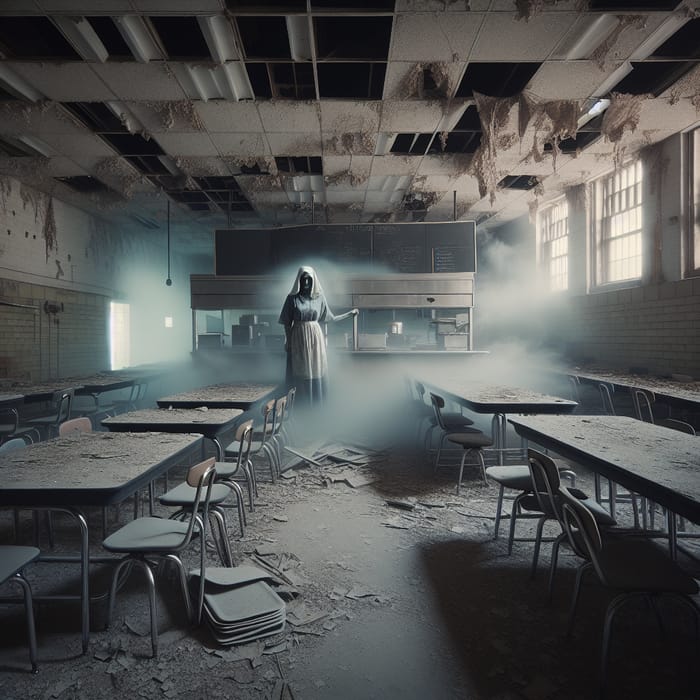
(411, 604)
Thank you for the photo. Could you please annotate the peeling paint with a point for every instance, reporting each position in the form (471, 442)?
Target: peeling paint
(413, 85)
(48, 231)
(115, 173)
(173, 114)
(357, 143)
(622, 115)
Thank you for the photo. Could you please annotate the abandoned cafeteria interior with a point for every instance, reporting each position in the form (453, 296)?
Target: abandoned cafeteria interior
(350, 349)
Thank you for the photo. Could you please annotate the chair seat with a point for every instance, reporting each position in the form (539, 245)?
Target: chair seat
(14, 558)
(470, 440)
(147, 535)
(455, 420)
(183, 495)
(232, 449)
(636, 564)
(600, 513)
(225, 470)
(512, 476)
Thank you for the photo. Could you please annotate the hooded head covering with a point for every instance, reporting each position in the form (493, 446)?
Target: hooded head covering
(316, 290)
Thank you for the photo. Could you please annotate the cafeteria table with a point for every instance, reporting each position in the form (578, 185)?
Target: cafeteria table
(498, 401)
(241, 395)
(87, 469)
(209, 422)
(656, 462)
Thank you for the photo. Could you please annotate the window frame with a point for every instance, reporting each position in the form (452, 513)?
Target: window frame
(692, 185)
(599, 248)
(547, 242)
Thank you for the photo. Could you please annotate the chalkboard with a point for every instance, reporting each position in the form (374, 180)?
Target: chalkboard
(400, 249)
(406, 247)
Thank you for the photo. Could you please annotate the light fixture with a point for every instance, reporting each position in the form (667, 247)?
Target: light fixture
(168, 281)
(168, 321)
(137, 37)
(16, 85)
(82, 37)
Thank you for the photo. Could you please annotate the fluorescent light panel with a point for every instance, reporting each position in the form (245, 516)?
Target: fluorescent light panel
(82, 37)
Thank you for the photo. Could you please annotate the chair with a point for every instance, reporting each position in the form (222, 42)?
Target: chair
(75, 425)
(137, 393)
(160, 538)
(517, 477)
(61, 402)
(471, 440)
(226, 471)
(631, 567)
(643, 408)
(13, 560)
(182, 497)
(447, 421)
(541, 502)
(285, 433)
(10, 428)
(262, 441)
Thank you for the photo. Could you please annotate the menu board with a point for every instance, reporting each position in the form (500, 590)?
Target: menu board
(409, 247)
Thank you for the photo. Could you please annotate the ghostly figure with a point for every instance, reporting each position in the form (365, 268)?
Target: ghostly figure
(303, 312)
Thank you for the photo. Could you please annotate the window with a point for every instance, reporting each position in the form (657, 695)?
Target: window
(119, 341)
(554, 241)
(619, 240)
(694, 201)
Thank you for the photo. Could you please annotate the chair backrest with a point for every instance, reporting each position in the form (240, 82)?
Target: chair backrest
(201, 477)
(9, 420)
(244, 437)
(575, 388)
(642, 405)
(291, 396)
(278, 416)
(62, 402)
(12, 445)
(438, 404)
(75, 425)
(606, 392)
(581, 529)
(679, 425)
(545, 482)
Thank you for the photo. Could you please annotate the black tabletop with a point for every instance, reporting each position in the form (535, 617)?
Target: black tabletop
(651, 460)
(206, 421)
(94, 468)
(235, 395)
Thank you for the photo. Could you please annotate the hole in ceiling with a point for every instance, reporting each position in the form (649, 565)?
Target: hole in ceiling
(519, 182)
(34, 37)
(358, 80)
(293, 80)
(496, 79)
(685, 43)
(4, 95)
(217, 183)
(469, 121)
(364, 5)
(254, 169)
(572, 145)
(631, 5)
(133, 145)
(181, 37)
(259, 79)
(166, 182)
(110, 37)
(275, 7)
(312, 165)
(354, 38)
(411, 144)
(652, 77)
(148, 165)
(83, 183)
(264, 37)
(456, 142)
(96, 116)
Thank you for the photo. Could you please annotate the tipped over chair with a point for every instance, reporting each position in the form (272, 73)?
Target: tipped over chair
(149, 538)
(471, 440)
(13, 560)
(631, 567)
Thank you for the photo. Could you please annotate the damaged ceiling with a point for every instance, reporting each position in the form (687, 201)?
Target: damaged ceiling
(334, 111)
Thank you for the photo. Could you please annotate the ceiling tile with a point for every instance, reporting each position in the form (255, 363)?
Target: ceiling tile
(64, 166)
(570, 80)
(434, 37)
(140, 81)
(165, 116)
(177, 7)
(241, 144)
(22, 118)
(225, 117)
(404, 80)
(65, 82)
(295, 144)
(504, 38)
(187, 144)
(202, 166)
(349, 116)
(287, 115)
(77, 7)
(411, 116)
(395, 165)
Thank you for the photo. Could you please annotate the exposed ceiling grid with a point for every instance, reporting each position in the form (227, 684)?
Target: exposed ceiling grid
(340, 111)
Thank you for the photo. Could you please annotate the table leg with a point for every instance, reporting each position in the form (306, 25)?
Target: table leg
(671, 525)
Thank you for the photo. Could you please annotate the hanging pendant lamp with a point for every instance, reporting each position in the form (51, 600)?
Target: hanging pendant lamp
(168, 281)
